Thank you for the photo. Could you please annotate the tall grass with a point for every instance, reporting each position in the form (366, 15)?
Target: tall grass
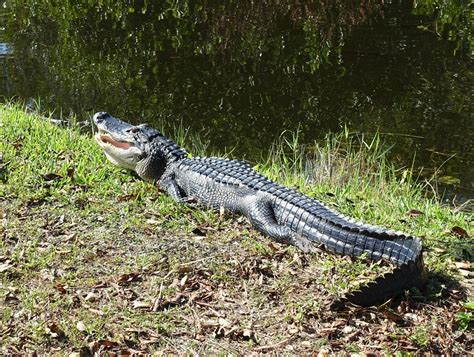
(344, 159)
(348, 170)
(352, 173)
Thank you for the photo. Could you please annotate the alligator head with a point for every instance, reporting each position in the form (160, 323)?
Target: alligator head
(136, 147)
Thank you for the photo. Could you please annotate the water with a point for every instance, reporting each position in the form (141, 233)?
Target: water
(243, 72)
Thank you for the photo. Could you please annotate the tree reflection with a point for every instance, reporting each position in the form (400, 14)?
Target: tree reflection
(244, 71)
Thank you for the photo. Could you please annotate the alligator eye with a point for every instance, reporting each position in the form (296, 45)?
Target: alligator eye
(133, 130)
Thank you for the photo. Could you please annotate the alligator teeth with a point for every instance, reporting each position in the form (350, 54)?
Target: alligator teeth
(107, 139)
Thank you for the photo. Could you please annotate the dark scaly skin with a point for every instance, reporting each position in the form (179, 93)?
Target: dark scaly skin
(277, 211)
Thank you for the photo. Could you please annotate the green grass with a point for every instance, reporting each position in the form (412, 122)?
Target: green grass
(92, 257)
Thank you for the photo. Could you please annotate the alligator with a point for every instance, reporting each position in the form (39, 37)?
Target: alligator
(279, 212)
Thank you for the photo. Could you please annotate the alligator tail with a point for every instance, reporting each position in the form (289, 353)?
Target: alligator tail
(374, 243)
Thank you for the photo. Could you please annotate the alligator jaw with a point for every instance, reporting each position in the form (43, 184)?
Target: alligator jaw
(103, 138)
(112, 131)
(114, 137)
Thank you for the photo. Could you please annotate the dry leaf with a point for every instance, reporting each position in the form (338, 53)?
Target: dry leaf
(60, 287)
(199, 232)
(138, 304)
(104, 344)
(51, 177)
(126, 279)
(224, 322)
(54, 330)
(463, 265)
(128, 197)
(403, 307)
(346, 330)
(177, 300)
(323, 352)
(209, 323)
(459, 232)
(70, 172)
(91, 297)
(392, 316)
(5, 266)
(219, 332)
(293, 329)
(183, 280)
(465, 272)
(81, 326)
(248, 334)
(95, 311)
(413, 317)
(414, 213)
(10, 298)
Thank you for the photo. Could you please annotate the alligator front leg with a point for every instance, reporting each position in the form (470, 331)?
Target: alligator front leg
(171, 187)
(260, 213)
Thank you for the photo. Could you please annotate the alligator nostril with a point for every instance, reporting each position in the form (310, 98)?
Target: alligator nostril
(99, 116)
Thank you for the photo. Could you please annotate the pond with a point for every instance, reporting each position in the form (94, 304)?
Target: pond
(240, 73)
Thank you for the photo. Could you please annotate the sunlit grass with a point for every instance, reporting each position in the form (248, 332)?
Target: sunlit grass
(70, 217)
(352, 173)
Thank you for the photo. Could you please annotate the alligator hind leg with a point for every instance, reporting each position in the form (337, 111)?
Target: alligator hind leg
(260, 213)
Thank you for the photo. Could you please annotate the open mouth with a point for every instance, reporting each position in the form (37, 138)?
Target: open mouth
(107, 139)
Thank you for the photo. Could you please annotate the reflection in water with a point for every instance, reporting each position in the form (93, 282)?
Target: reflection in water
(5, 50)
(245, 71)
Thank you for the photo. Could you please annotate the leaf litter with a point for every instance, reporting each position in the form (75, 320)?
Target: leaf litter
(156, 290)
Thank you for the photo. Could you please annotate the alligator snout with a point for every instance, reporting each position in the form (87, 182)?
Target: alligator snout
(101, 116)
(106, 123)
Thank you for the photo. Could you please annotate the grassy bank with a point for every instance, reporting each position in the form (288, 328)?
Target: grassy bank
(94, 259)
